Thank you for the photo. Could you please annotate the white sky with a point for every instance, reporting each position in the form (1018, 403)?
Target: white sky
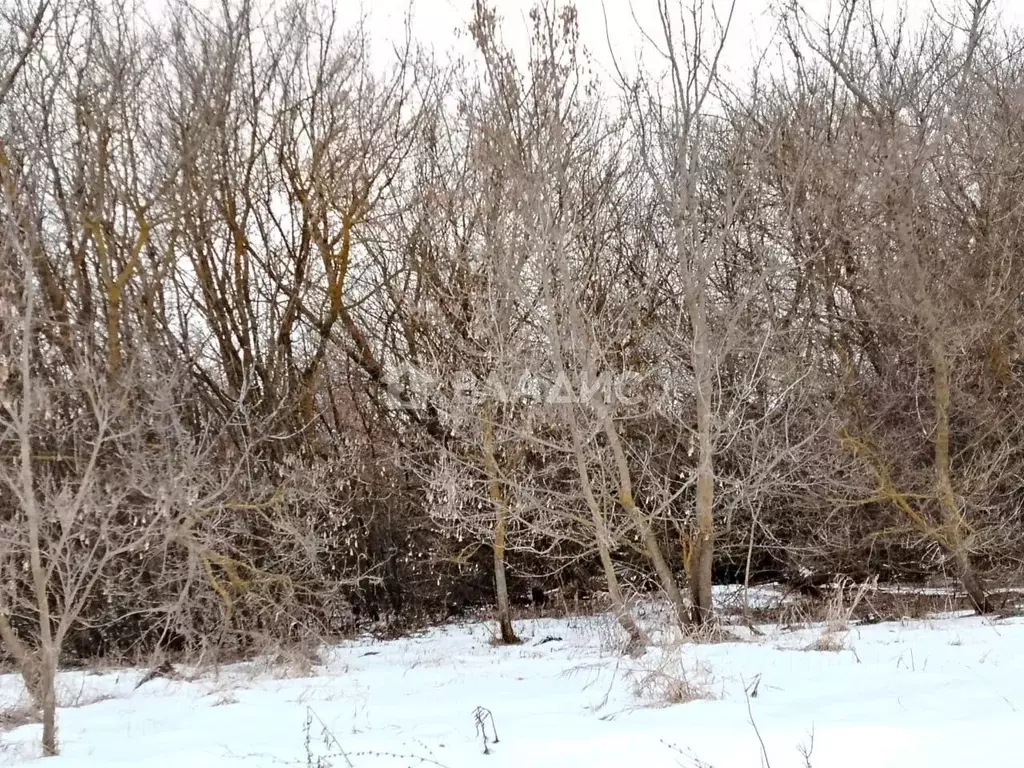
(441, 23)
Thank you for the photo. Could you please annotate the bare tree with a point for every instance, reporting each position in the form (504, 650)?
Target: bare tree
(674, 121)
(912, 92)
(63, 446)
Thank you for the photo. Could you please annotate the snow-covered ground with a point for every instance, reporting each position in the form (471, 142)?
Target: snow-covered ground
(942, 692)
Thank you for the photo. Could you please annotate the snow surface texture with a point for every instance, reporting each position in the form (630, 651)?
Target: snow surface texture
(942, 692)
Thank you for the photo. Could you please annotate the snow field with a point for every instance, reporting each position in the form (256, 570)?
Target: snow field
(942, 692)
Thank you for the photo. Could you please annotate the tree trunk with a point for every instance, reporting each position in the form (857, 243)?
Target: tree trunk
(652, 547)
(952, 517)
(950, 536)
(702, 611)
(637, 642)
(48, 702)
(973, 584)
(508, 634)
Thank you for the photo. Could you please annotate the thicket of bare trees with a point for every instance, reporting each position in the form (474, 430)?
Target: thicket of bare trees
(289, 342)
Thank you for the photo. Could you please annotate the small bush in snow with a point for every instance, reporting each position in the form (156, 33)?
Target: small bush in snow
(846, 596)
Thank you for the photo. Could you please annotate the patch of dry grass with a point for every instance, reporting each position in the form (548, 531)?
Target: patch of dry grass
(665, 676)
(17, 715)
(846, 597)
(664, 680)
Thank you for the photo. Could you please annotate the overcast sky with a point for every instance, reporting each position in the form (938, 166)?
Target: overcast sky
(441, 23)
